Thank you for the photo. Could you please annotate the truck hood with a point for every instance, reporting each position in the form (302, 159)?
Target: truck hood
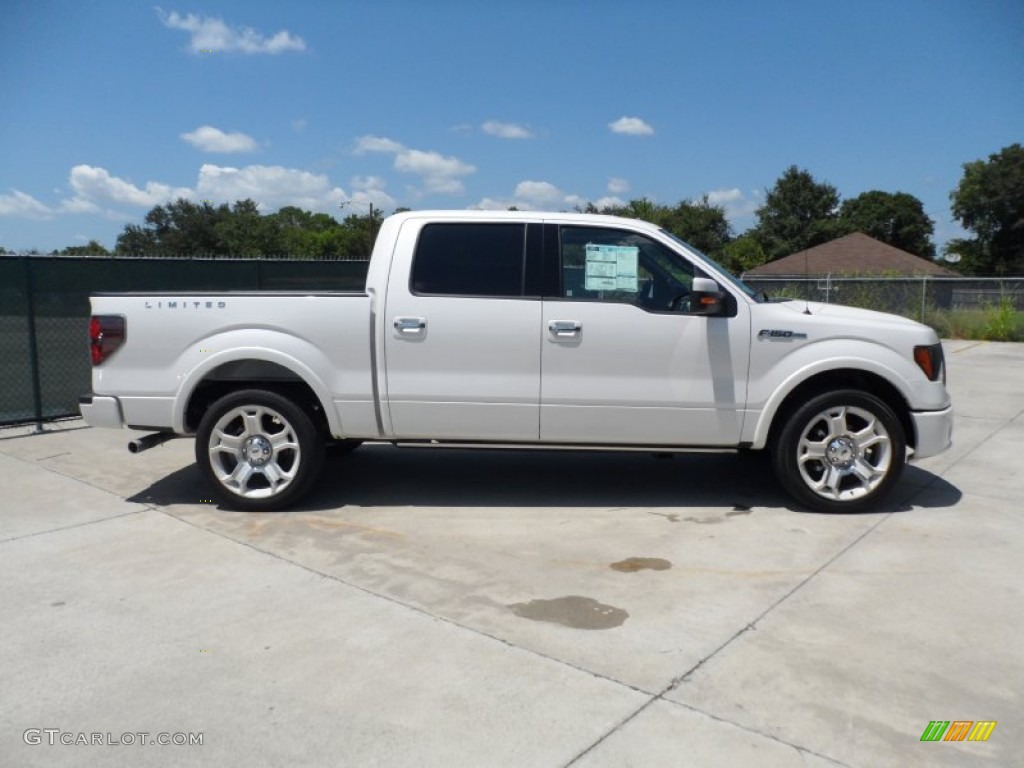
(843, 321)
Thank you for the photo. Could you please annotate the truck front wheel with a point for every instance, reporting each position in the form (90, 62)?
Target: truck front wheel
(841, 451)
(258, 450)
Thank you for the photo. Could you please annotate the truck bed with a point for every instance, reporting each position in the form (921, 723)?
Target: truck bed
(324, 338)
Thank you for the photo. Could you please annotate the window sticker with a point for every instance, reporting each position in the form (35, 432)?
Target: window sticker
(612, 268)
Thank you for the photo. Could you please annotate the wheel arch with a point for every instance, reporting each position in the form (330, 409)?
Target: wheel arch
(832, 380)
(262, 369)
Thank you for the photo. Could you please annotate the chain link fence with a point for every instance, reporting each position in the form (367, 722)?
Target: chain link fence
(44, 314)
(986, 307)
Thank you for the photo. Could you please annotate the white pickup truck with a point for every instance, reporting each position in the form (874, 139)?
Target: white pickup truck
(522, 330)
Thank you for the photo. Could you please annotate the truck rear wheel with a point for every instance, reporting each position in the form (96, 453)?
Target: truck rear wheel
(258, 450)
(841, 451)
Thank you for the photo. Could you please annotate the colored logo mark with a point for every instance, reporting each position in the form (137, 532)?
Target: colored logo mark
(958, 730)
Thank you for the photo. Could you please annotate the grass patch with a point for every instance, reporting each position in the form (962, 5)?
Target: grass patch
(995, 322)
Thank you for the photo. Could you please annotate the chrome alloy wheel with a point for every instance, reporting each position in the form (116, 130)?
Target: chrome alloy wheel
(254, 452)
(844, 453)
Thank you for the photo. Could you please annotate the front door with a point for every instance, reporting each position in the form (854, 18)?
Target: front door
(623, 362)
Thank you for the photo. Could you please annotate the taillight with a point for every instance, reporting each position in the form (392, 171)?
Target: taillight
(106, 335)
(930, 360)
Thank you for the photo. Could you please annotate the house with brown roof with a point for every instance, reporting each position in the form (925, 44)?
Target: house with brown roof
(853, 255)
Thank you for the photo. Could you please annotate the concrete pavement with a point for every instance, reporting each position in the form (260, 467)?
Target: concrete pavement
(493, 608)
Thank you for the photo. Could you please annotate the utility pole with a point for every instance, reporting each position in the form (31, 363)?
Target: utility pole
(341, 206)
(369, 252)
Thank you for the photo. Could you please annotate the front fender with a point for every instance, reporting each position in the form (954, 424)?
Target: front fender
(803, 364)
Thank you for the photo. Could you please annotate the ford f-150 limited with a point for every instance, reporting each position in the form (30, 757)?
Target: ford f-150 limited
(524, 330)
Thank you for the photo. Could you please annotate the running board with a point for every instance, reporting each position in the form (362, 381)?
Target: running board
(556, 446)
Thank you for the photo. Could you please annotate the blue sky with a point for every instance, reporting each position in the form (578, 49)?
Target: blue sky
(110, 108)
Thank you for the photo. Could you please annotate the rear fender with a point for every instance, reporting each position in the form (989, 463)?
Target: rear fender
(198, 370)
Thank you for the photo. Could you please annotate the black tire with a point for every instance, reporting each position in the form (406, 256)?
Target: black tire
(258, 451)
(842, 451)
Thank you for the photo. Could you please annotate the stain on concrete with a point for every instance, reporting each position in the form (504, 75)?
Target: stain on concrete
(738, 509)
(672, 518)
(634, 564)
(712, 520)
(572, 611)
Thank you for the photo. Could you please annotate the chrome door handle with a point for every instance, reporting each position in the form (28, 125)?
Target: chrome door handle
(565, 329)
(410, 326)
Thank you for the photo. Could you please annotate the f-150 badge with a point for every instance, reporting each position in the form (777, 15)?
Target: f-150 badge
(780, 335)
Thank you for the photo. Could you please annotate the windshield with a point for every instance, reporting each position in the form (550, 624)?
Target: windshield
(747, 290)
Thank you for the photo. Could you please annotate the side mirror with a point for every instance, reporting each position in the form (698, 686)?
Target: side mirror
(706, 298)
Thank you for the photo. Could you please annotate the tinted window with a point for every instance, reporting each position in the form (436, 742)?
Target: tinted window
(469, 260)
(614, 265)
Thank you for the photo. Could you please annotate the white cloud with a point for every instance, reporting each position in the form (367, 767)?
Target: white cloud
(618, 186)
(210, 139)
(299, 125)
(738, 207)
(366, 144)
(439, 172)
(272, 186)
(370, 190)
(609, 202)
(95, 191)
(724, 196)
(368, 182)
(78, 205)
(90, 183)
(213, 35)
(631, 126)
(431, 164)
(538, 193)
(531, 196)
(22, 206)
(490, 204)
(506, 130)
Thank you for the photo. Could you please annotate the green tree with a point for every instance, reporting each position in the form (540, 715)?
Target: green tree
(700, 223)
(360, 233)
(184, 228)
(92, 248)
(798, 213)
(244, 232)
(989, 202)
(742, 254)
(181, 228)
(639, 208)
(137, 241)
(895, 218)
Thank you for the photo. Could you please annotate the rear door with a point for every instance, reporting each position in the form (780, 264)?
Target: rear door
(623, 359)
(462, 341)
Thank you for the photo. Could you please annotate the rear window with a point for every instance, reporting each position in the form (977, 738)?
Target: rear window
(469, 260)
